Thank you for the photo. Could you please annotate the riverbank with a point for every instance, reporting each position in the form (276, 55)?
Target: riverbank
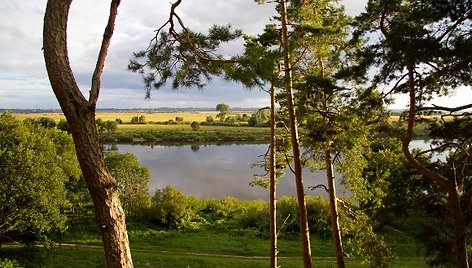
(161, 133)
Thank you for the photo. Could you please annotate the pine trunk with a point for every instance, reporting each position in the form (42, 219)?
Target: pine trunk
(303, 217)
(80, 114)
(333, 208)
(272, 184)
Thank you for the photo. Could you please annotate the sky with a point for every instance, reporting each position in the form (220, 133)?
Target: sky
(23, 79)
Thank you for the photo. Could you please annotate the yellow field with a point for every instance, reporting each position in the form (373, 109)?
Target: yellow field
(126, 116)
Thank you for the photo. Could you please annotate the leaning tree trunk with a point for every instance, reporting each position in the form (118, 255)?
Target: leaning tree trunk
(303, 217)
(80, 114)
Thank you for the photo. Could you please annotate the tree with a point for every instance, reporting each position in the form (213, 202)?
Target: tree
(224, 110)
(288, 86)
(80, 113)
(35, 164)
(132, 181)
(260, 118)
(195, 126)
(190, 59)
(421, 52)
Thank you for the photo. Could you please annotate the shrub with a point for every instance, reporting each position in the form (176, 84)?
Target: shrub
(7, 263)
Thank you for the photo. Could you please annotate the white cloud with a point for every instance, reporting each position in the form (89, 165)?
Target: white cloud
(23, 78)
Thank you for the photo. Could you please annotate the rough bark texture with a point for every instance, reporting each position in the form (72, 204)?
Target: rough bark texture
(303, 218)
(80, 114)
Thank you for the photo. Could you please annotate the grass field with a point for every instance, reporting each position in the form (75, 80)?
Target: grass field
(200, 248)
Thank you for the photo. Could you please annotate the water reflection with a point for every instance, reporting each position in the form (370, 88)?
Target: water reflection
(212, 170)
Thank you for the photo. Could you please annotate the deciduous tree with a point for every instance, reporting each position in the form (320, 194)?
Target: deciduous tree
(35, 164)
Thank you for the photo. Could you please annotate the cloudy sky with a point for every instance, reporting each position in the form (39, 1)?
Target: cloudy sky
(23, 79)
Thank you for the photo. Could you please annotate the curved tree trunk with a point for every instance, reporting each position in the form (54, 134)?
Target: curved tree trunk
(80, 114)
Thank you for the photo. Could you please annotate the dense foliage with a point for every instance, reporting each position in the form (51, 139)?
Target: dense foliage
(35, 164)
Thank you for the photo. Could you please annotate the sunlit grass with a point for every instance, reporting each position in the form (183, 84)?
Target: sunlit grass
(127, 116)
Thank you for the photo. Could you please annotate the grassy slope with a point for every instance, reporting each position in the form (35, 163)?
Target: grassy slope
(202, 248)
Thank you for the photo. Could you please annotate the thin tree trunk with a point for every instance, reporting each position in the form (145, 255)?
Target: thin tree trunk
(333, 204)
(460, 241)
(272, 185)
(333, 208)
(80, 114)
(303, 217)
(449, 186)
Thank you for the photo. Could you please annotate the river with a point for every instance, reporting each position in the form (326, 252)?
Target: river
(211, 170)
(217, 171)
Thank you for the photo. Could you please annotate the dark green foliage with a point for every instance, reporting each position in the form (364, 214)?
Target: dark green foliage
(45, 122)
(108, 126)
(63, 125)
(138, 119)
(435, 33)
(195, 126)
(186, 57)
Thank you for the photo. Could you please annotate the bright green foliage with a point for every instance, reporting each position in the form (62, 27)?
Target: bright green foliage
(260, 118)
(132, 180)
(6, 263)
(35, 163)
(171, 208)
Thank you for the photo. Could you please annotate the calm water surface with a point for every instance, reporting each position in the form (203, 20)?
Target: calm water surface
(218, 171)
(214, 171)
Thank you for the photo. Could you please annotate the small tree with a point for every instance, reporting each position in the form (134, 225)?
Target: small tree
(224, 110)
(209, 119)
(195, 126)
(133, 181)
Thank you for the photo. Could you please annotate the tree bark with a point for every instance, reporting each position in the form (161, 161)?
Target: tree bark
(272, 184)
(80, 114)
(333, 208)
(303, 217)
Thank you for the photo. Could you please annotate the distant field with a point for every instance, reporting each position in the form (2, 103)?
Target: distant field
(126, 116)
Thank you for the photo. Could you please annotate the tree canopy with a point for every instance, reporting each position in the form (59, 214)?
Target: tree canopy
(35, 164)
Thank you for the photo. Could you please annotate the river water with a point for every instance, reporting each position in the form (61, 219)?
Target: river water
(217, 171)
(212, 170)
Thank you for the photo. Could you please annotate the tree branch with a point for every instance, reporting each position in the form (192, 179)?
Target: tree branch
(95, 89)
(438, 179)
(445, 109)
